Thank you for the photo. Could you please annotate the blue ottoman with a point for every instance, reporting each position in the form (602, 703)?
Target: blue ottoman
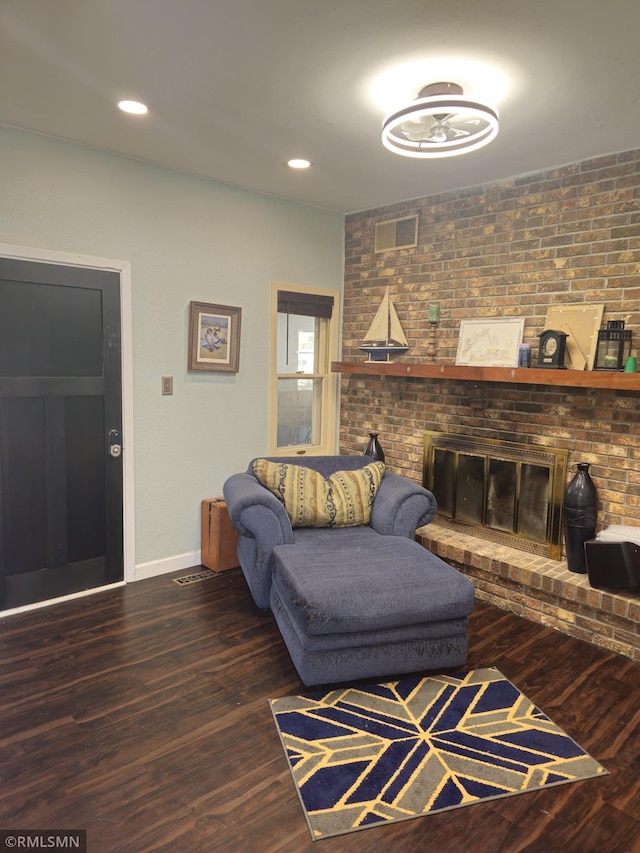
(384, 609)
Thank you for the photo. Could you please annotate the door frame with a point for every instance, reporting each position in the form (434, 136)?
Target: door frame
(123, 268)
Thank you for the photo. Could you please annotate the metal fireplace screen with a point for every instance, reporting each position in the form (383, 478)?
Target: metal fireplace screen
(499, 490)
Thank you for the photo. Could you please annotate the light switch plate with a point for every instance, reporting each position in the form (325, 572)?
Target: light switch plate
(167, 384)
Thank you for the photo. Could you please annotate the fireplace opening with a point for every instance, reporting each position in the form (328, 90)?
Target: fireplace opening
(510, 493)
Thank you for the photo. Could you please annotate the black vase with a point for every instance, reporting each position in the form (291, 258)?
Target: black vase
(373, 448)
(580, 515)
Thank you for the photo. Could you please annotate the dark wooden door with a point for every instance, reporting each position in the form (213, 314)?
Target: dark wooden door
(61, 522)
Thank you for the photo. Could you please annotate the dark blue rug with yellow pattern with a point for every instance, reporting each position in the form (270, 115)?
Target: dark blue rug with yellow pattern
(368, 755)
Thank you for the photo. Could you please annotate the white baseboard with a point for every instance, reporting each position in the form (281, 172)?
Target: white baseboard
(166, 565)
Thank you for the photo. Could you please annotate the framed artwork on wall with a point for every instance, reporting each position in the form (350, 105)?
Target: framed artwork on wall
(489, 343)
(214, 337)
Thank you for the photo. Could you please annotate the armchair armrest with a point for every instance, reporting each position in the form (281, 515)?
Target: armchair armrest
(262, 522)
(401, 506)
(242, 494)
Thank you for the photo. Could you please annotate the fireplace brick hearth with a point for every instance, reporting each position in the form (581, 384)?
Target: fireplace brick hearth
(541, 590)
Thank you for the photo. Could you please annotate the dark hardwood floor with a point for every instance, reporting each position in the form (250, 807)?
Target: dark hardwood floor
(140, 714)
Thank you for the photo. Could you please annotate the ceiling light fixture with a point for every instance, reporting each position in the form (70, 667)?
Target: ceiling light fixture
(133, 107)
(298, 164)
(439, 123)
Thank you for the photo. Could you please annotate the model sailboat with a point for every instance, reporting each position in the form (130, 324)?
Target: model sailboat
(385, 336)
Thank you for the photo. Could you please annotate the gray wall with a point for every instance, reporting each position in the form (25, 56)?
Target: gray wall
(186, 239)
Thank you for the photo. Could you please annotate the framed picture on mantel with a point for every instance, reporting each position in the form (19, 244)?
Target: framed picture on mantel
(581, 323)
(489, 343)
(214, 337)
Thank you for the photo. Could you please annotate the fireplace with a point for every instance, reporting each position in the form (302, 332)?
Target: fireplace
(499, 490)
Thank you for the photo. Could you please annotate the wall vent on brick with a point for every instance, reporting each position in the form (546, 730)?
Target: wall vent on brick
(396, 234)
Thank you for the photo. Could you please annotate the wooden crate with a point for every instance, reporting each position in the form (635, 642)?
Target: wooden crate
(219, 539)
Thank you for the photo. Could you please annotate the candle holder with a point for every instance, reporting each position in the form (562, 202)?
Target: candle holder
(432, 342)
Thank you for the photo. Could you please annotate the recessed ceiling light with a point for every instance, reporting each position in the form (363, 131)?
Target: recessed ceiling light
(299, 164)
(134, 107)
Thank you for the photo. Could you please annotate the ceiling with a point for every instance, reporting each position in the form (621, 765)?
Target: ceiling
(235, 88)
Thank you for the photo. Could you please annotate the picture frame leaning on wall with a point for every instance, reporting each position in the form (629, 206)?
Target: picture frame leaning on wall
(489, 342)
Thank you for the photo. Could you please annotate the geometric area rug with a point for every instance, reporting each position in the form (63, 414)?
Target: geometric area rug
(369, 755)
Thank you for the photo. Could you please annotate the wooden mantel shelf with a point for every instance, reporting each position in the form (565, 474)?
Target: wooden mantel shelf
(524, 375)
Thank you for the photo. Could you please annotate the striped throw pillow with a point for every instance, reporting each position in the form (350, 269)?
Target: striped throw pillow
(310, 500)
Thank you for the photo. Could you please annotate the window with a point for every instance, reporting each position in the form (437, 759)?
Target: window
(303, 389)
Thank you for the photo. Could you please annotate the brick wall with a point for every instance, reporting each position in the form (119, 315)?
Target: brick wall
(565, 236)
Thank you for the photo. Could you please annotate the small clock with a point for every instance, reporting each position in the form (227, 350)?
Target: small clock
(552, 349)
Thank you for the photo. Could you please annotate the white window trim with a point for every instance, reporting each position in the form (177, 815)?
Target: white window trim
(329, 420)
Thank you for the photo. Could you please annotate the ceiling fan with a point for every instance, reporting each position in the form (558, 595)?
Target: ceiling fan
(439, 123)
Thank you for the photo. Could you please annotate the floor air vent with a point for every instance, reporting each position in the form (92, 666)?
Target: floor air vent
(194, 578)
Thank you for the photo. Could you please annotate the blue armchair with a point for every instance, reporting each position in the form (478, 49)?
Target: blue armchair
(400, 506)
(351, 602)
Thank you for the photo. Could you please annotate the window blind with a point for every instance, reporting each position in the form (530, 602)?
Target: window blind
(306, 304)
